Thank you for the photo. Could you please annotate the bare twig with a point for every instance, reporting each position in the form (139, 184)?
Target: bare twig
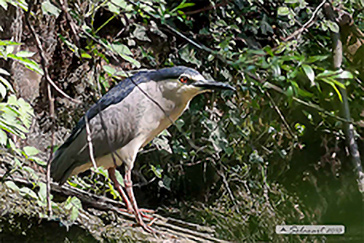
(89, 141)
(308, 24)
(226, 184)
(48, 178)
(348, 126)
(280, 115)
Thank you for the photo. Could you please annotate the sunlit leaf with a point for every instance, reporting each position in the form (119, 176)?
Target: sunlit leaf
(7, 43)
(3, 137)
(49, 8)
(3, 4)
(157, 170)
(6, 83)
(2, 90)
(309, 73)
(4, 72)
(283, 11)
(11, 185)
(25, 54)
(25, 191)
(30, 151)
(119, 178)
(344, 75)
(334, 27)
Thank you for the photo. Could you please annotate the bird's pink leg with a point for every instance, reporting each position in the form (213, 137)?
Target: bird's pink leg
(120, 189)
(137, 212)
(125, 197)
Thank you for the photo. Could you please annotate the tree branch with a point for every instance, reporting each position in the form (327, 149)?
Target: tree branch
(348, 126)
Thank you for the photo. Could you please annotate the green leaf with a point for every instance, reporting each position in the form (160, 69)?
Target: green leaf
(25, 54)
(30, 151)
(119, 3)
(7, 84)
(326, 73)
(131, 60)
(42, 193)
(30, 64)
(50, 9)
(85, 55)
(344, 75)
(2, 90)
(25, 191)
(76, 206)
(283, 11)
(39, 161)
(121, 49)
(165, 183)
(4, 4)
(309, 73)
(11, 185)
(332, 84)
(7, 43)
(334, 27)
(189, 55)
(109, 69)
(3, 71)
(119, 178)
(74, 214)
(316, 58)
(157, 171)
(140, 33)
(183, 4)
(3, 137)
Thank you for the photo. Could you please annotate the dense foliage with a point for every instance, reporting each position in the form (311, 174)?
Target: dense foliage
(272, 153)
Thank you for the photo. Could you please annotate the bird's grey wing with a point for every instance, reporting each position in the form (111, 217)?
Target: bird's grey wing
(105, 140)
(74, 152)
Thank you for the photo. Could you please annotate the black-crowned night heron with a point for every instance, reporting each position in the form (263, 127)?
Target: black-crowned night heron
(124, 120)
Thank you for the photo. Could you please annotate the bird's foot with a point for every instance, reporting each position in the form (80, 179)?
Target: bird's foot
(147, 227)
(145, 213)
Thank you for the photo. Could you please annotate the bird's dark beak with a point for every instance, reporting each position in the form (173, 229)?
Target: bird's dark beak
(213, 85)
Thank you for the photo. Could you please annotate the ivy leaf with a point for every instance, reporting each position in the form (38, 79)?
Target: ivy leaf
(283, 11)
(157, 170)
(334, 27)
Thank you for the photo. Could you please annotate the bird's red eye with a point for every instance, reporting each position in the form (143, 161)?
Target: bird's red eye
(183, 79)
